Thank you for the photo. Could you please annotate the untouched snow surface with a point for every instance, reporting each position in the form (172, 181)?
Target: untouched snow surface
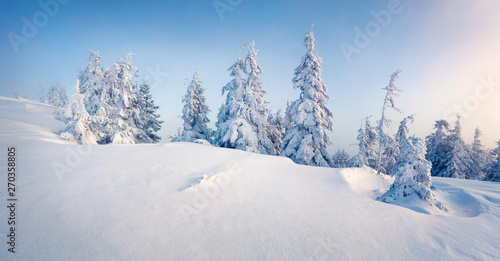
(186, 201)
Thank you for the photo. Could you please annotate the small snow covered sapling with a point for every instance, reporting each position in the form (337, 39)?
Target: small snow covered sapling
(413, 174)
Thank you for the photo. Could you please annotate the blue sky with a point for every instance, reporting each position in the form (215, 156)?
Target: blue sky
(447, 52)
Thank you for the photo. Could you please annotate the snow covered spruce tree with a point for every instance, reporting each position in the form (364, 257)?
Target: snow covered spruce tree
(413, 174)
(258, 112)
(437, 147)
(392, 150)
(478, 156)
(92, 83)
(118, 104)
(340, 158)
(231, 108)
(367, 138)
(242, 120)
(195, 113)
(493, 170)
(457, 160)
(276, 130)
(57, 96)
(42, 95)
(147, 118)
(306, 142)
(80, 127)
(391, 91)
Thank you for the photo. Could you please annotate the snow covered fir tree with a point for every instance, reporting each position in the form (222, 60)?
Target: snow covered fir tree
(309, 118)
(276, 131)
(413, 174)
(340, 158)
(478, 156)
(56, 95)
(493, 170)
(457, 157)
(147, 119)
(119, 99)
(92, 83)
(195, 113)
(242, 120)
(367, 138)
(392, 151)
(436, 147)
(80, 126)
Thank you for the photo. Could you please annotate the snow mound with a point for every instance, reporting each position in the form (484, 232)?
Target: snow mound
(207, 181)
(365, 181)
(459, 201)
(203, 142)
(136, 202)
(37, 122)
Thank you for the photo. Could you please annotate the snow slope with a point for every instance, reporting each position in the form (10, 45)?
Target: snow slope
(185, 201)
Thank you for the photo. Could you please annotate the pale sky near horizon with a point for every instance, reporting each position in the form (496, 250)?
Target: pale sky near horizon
(447, 52)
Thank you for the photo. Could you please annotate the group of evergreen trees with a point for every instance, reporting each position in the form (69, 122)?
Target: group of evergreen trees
(108, 107)
(386, 156)
(446, 151)
(452, 157)
(244, 122)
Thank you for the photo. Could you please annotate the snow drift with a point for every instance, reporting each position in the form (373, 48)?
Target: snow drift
(186, 201)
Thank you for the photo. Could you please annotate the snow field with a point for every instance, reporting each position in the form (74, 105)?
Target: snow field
(186, 201)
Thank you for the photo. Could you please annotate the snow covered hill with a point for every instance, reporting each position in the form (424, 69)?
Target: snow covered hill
(186, 201)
